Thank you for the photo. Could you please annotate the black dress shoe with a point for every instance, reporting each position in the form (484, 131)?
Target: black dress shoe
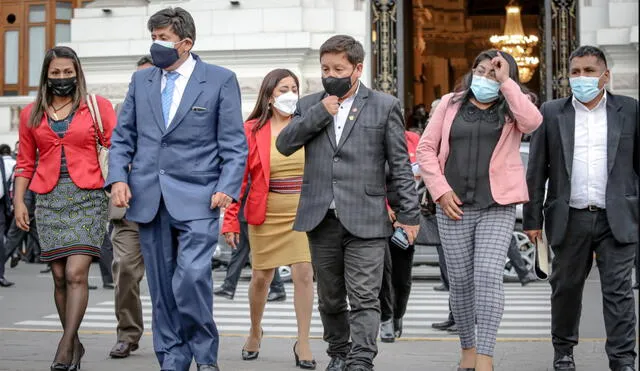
(302, 363)
(359, 368)
(440, 288)
(336, 364)
(14, 261)
(5, 283)
(109, 286)
(122, 349)
(397, 327)
(453, 329)
(92, 287)
(208, 368)
(626, 368)
(224, 292)
(443, 325)
(277, 296)
(564, 363)
(386, 332)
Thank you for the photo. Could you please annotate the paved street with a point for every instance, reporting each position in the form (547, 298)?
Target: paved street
(30, 329)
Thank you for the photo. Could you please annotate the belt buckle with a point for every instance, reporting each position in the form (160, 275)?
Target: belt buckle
(593, 208)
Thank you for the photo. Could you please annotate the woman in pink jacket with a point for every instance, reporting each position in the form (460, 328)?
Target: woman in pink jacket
(469, 156)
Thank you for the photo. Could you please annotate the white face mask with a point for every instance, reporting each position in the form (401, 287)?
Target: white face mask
(286, 103)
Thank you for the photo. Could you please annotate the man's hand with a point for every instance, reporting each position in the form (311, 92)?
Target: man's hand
(534, 234)
(120, 194)
(220, 200)
(450, 204)
(411, 230)
(232, 239)
(331, 104)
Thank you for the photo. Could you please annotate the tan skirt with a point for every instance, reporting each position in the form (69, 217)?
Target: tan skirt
(274, 243)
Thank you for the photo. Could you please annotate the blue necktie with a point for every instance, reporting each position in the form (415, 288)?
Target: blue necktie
(167, 95)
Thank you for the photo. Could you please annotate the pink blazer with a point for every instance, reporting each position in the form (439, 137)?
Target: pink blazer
(506, 171)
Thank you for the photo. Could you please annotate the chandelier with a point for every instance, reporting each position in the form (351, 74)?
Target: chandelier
(516, 43)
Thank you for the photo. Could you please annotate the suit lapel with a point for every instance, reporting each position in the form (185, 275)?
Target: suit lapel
(263, 142)
(567, 128)
(615, 123)
(192, 91)
(354, 113)
(155, 97)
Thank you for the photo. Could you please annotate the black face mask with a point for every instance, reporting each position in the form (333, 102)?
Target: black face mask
(338, 86)
(62, 87)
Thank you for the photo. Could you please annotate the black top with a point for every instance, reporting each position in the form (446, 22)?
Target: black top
(60, 127)
(474, 136)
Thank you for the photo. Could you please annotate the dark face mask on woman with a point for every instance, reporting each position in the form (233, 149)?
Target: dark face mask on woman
(62, 87)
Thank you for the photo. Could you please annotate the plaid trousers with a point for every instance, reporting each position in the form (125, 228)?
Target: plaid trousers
(475, 250)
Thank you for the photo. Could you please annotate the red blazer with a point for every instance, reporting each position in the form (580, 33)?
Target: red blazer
(79, 146)
(259, 170)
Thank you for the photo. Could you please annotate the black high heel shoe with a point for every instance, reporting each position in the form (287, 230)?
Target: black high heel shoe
(248, 355)
(75, 364)
(303, 364)
(58, 366)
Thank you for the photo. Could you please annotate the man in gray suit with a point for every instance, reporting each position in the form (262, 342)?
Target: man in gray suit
(587, 148)
(348, 133)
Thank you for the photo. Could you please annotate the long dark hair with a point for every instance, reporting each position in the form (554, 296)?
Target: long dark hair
(44, 99)
(262, 110)
(463, 92)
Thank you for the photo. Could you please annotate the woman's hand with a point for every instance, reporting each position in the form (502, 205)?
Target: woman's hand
(501, 66)
(21, 215)
(232, 239)
(450, 204)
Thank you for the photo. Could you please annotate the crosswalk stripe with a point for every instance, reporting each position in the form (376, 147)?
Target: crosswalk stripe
(527, 313)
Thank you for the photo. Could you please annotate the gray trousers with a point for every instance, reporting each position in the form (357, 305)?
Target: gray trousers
(475, 249)
(348, 266)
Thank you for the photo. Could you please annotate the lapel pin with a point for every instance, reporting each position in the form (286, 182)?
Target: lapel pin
(350, 117)
(355, 110)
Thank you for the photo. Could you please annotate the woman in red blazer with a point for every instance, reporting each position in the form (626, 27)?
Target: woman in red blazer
(71, 207)
(270, 208)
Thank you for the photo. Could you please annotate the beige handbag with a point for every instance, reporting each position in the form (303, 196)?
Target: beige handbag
(114, 213)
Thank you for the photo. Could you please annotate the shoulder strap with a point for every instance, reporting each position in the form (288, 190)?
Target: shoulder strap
(94, 109)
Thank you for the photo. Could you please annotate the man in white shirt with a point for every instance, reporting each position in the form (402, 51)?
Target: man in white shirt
(588, 148)
(6, 170)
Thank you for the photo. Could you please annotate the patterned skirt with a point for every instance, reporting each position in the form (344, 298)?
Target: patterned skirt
(71, 220)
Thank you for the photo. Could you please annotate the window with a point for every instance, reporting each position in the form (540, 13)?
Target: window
(27, 29)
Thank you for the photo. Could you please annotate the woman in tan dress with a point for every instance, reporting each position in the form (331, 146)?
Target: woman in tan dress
(270, 209)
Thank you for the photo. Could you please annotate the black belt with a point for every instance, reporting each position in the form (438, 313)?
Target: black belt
(592, 209)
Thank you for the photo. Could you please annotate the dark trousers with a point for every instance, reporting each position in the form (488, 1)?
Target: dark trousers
(239, 258)
(3, 228)
(177, 258)
(346, 265)
(106, 257)
(15, 238)
(589, 232)
(396, 282)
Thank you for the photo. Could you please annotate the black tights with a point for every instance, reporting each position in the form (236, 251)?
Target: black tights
(70, 278)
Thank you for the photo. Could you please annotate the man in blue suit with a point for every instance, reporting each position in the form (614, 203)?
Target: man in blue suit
(180, 128)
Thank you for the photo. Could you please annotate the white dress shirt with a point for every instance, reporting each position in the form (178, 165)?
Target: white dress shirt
(589, 173)
(184, 71)
(9, 164)
(340, 120)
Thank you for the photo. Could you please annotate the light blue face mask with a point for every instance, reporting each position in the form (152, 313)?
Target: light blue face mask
(585, 88)
(484, 90)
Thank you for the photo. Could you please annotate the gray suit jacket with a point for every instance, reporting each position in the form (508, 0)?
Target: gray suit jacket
(352, 171)
(551, 157)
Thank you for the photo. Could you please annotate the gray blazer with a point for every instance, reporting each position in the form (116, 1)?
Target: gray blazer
(551, 157)
(353, 170)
